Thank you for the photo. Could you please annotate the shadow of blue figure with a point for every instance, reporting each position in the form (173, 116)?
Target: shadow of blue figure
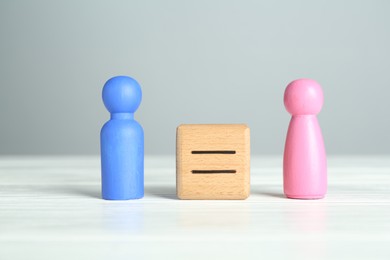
(122, 141)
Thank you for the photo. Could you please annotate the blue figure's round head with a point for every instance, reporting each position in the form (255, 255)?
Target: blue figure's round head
(122, 94)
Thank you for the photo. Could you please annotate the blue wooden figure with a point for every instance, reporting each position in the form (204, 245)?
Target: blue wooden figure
(122, 141)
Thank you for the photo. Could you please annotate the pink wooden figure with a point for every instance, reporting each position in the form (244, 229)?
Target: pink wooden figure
(304, 163)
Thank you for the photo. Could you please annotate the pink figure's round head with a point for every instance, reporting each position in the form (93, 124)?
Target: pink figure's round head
(303, 97)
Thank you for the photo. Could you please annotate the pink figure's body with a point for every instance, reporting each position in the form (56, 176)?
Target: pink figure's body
(304, 164)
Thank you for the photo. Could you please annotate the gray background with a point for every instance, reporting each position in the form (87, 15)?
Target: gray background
(197, 62)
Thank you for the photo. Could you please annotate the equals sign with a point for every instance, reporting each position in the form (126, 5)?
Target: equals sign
(213, 171)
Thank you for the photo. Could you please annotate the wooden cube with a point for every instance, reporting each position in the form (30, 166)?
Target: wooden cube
(213, 162)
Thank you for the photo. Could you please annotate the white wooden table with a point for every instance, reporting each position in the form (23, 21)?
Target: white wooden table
(50, 208)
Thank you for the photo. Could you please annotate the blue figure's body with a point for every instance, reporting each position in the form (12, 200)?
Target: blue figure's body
(122, 141)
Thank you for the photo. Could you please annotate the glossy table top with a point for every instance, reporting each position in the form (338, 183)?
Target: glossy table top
(50, 208)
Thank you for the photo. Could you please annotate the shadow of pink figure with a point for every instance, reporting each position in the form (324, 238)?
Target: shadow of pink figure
(304, 163)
